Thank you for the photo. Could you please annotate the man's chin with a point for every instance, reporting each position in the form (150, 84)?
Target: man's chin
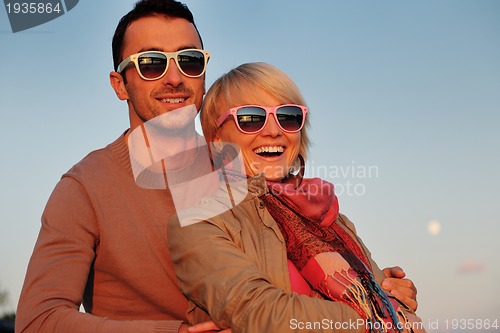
(175, 120)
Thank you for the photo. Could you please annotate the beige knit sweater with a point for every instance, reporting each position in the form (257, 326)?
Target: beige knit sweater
(103, 243)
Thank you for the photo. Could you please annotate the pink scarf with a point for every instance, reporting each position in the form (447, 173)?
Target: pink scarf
(328, 258)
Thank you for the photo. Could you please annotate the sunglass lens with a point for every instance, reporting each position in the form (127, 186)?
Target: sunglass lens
(290, 117)
(251, 119)
(152, 65)
(192, 63)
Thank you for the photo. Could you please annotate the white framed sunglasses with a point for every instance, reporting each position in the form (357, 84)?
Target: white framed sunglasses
(152, 65)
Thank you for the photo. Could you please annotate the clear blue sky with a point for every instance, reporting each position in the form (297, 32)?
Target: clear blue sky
(404, 100)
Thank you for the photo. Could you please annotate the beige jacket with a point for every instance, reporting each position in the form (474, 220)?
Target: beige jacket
(234, 267)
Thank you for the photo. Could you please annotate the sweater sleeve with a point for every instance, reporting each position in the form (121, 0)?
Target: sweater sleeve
(59, 269)
(223, 280)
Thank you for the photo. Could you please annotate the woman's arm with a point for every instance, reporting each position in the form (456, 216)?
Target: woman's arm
(413, 320)
(217, 275)
(402, 287)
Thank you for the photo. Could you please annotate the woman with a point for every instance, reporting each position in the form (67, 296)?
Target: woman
(233, 265)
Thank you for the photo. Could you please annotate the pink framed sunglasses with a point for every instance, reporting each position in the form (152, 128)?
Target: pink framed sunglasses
(251, 119)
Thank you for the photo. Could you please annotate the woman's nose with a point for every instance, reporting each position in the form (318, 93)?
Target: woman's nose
(272, 128)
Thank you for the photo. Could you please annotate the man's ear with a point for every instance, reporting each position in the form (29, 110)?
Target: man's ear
(118, 85)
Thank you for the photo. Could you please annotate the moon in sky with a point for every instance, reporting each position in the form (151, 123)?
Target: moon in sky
(433, 227)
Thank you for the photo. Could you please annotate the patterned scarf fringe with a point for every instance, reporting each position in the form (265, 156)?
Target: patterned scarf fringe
(365, 300)
(364, 294)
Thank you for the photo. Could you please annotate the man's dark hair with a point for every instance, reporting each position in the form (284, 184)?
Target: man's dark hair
(146, 8)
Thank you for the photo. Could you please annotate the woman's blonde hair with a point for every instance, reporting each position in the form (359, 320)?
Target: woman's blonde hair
(231, 89)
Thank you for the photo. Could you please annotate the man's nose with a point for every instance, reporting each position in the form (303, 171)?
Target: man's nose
(173, 76)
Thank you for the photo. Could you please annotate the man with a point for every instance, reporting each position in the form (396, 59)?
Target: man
(102, 242)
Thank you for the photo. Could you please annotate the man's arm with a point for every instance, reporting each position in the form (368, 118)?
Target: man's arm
(400, 287)
(206, 327)
(59, 268)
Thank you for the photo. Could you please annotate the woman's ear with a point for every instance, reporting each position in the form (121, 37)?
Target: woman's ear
(118, 85)
(217, 144)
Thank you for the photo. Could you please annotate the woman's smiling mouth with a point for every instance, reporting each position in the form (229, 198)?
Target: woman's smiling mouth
(269, 151)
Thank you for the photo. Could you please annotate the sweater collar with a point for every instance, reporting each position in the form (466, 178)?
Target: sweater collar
(120, 150)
